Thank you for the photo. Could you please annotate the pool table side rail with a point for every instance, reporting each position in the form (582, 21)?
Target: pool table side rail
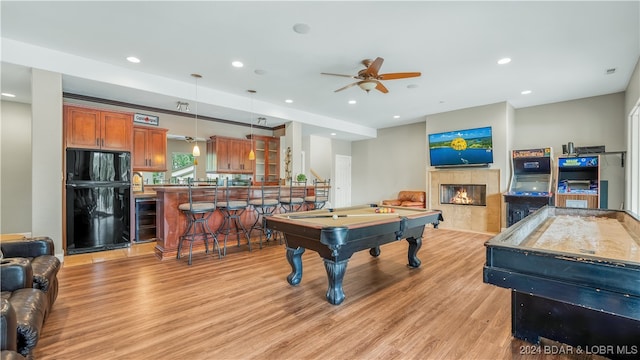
(410, 214)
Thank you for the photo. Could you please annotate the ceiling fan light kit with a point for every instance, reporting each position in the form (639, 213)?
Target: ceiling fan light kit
(367, 85)
(370, 79)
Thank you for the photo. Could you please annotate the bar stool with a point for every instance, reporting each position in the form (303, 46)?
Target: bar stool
(320, 194)
(202, 203)
(295, 199)
(232, 208)
(266, 204)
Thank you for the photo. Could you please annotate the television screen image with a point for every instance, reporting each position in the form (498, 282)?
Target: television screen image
(461, 147)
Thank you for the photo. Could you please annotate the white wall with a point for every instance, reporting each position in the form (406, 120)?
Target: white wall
(598, 120)
(632, 94)
(320, 157)
(46, 171)
(394, 161)
(15, 168)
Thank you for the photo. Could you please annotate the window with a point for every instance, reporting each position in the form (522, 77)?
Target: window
(181, 169)
(633, 164)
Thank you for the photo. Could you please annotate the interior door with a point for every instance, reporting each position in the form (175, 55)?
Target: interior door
(342, 183)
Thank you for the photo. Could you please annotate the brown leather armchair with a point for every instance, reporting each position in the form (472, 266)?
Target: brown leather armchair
(408, 198)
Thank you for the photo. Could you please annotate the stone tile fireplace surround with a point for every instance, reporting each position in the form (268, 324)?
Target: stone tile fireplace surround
(469, 199)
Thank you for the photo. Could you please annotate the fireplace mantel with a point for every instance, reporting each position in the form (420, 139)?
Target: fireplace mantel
(483, 217)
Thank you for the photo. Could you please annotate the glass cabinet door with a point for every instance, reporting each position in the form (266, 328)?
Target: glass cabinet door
(260, 160)
(267, 162)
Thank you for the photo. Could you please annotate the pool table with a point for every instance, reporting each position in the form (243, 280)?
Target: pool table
(575, 279)
(336, 234)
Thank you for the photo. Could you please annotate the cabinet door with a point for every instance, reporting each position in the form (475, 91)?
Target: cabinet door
(157, 149)
(267, 163)
(82, 127)
(260, 162)
(139, 161)
(116, 131)
(223, 150)
(235, 154)
(212, 156)
(246, 164)
(149, 149)
(273, 161)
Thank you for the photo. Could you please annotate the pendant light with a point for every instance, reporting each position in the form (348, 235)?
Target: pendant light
(252, 155)
(196, 149)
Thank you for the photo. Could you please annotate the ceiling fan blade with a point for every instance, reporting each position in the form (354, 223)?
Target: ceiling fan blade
(349, 76)
(381, 88)
(373, 68)
(348, 86)
(394, 76)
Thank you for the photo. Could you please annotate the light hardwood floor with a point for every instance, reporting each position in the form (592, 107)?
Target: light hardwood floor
(241, 307)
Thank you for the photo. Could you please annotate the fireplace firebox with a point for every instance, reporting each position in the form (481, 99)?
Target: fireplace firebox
(463, 194)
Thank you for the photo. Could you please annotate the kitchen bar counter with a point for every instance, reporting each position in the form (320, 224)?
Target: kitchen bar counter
(171, 223)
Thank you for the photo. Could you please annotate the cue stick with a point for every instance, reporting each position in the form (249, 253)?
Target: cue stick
(338, 215)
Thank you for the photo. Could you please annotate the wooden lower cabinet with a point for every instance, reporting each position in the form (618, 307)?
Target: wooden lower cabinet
(149, 149)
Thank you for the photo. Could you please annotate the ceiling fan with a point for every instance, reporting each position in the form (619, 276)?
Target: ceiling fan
(369, 78)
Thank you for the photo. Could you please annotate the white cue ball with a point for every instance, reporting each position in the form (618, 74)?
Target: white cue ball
(335, 216)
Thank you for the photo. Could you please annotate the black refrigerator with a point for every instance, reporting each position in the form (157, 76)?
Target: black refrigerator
(98, 200)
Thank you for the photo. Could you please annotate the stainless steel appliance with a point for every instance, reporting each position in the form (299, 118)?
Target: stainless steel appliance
(98, 200)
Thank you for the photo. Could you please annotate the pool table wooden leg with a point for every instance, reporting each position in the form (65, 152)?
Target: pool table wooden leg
(294, 257)
(335, 275)
(414, 245)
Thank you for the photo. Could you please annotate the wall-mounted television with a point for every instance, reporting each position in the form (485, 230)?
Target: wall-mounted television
(468, 147)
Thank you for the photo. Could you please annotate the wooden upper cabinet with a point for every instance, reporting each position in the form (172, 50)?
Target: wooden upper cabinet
(149, 149)
(229, 155)
(88, 128)
(267, 163)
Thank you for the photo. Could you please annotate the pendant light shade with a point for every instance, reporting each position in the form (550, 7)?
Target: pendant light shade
(252, 155)
(196, 149)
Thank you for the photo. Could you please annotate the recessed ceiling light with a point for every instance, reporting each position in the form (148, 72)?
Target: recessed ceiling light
(525, 92)
(610, 71)
(301, 28)
(504, 61)
(237, 64)
(288, 101)
(133, 59)
(259, 71)
(333, 134)
(396, 116)
(352, 102)
(8, 95)
(412, 86)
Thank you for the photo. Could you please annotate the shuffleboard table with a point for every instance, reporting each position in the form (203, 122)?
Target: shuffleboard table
(575, 279)
(336, 234)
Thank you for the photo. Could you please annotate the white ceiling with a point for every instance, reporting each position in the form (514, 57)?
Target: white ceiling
(560, 51)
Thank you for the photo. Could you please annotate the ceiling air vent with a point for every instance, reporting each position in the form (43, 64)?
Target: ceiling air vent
(610, 71)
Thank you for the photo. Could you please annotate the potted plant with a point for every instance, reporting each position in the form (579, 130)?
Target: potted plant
(301, 177)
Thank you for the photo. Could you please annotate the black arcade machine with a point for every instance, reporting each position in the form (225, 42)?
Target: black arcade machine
(531, 183)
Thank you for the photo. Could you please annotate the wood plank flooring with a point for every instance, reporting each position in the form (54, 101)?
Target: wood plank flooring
(241, 307)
